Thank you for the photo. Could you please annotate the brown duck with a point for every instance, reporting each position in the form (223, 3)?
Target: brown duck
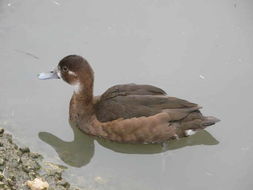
(126, 113)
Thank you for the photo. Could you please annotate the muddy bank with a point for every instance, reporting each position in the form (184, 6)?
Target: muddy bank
(18, 166)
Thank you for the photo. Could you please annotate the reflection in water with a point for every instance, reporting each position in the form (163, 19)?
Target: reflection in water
(80, 151)
(202, 137)
(76, 153)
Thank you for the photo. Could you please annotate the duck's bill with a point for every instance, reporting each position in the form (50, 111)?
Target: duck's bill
(49, 75)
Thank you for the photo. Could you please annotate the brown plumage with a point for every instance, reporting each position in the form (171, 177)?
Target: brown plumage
(126, 113)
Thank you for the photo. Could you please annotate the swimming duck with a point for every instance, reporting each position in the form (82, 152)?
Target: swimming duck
(127, 113)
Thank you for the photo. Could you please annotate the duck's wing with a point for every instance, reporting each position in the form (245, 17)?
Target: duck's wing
(132, 89)
(129, 101)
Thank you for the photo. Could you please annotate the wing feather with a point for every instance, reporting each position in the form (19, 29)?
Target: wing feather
(131, 100)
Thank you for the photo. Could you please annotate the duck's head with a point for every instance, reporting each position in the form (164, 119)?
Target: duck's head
(74, 70)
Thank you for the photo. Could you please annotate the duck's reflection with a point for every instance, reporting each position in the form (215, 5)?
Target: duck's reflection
(75, 153)
(79, 152)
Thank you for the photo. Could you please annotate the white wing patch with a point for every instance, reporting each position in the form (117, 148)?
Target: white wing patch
(189, 132)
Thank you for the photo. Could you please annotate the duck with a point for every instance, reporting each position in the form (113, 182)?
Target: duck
(126, 113)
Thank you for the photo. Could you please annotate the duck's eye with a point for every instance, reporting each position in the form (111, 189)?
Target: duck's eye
(65, 68)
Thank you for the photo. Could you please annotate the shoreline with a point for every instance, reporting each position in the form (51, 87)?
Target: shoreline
(22, 169)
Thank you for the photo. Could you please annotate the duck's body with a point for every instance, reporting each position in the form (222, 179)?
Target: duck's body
(127, 113)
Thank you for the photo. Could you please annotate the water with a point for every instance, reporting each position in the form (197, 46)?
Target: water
(197, 50)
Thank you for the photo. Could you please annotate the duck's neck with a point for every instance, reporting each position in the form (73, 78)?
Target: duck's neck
(81, 107)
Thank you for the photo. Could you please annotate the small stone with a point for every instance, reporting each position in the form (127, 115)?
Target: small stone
(1, 176)
(58, 187)
(10, 140)
(35, 155)
(26, 168)
(37, 184)
(19, 153)
(54, 170)
(57, 175)
(6, 187)
(1, 130)
(2, 185)
(63, 183)
(32, 174)
(24, 149)
(10, 182)
(1, 162)
(12, 177)
(29, 164)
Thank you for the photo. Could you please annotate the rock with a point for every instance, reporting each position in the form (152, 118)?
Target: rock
(35, 155)
(37, 184)
(14, 161)
(29, 164)
(24, 149)
(20, 166)
(54, 169)
(10, 140)
(63, 183)
(10, 182)
(2, 185)
(32, 174)
(15, 146)
(1, 130)
(1, 161)
(1, 176)
(12, 177)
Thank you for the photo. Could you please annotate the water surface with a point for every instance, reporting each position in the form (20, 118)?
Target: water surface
(196, 50)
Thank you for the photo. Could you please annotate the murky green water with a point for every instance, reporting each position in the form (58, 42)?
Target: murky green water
(197, 50)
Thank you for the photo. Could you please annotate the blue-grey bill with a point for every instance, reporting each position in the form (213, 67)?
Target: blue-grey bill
(49, 75)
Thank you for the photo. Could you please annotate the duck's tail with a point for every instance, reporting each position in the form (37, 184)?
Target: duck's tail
(191, 127)
(209, 120)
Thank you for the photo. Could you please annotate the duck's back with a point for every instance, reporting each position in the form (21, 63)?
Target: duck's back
(131, 100)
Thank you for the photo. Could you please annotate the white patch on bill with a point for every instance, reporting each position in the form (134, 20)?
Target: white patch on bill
(189, 132)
